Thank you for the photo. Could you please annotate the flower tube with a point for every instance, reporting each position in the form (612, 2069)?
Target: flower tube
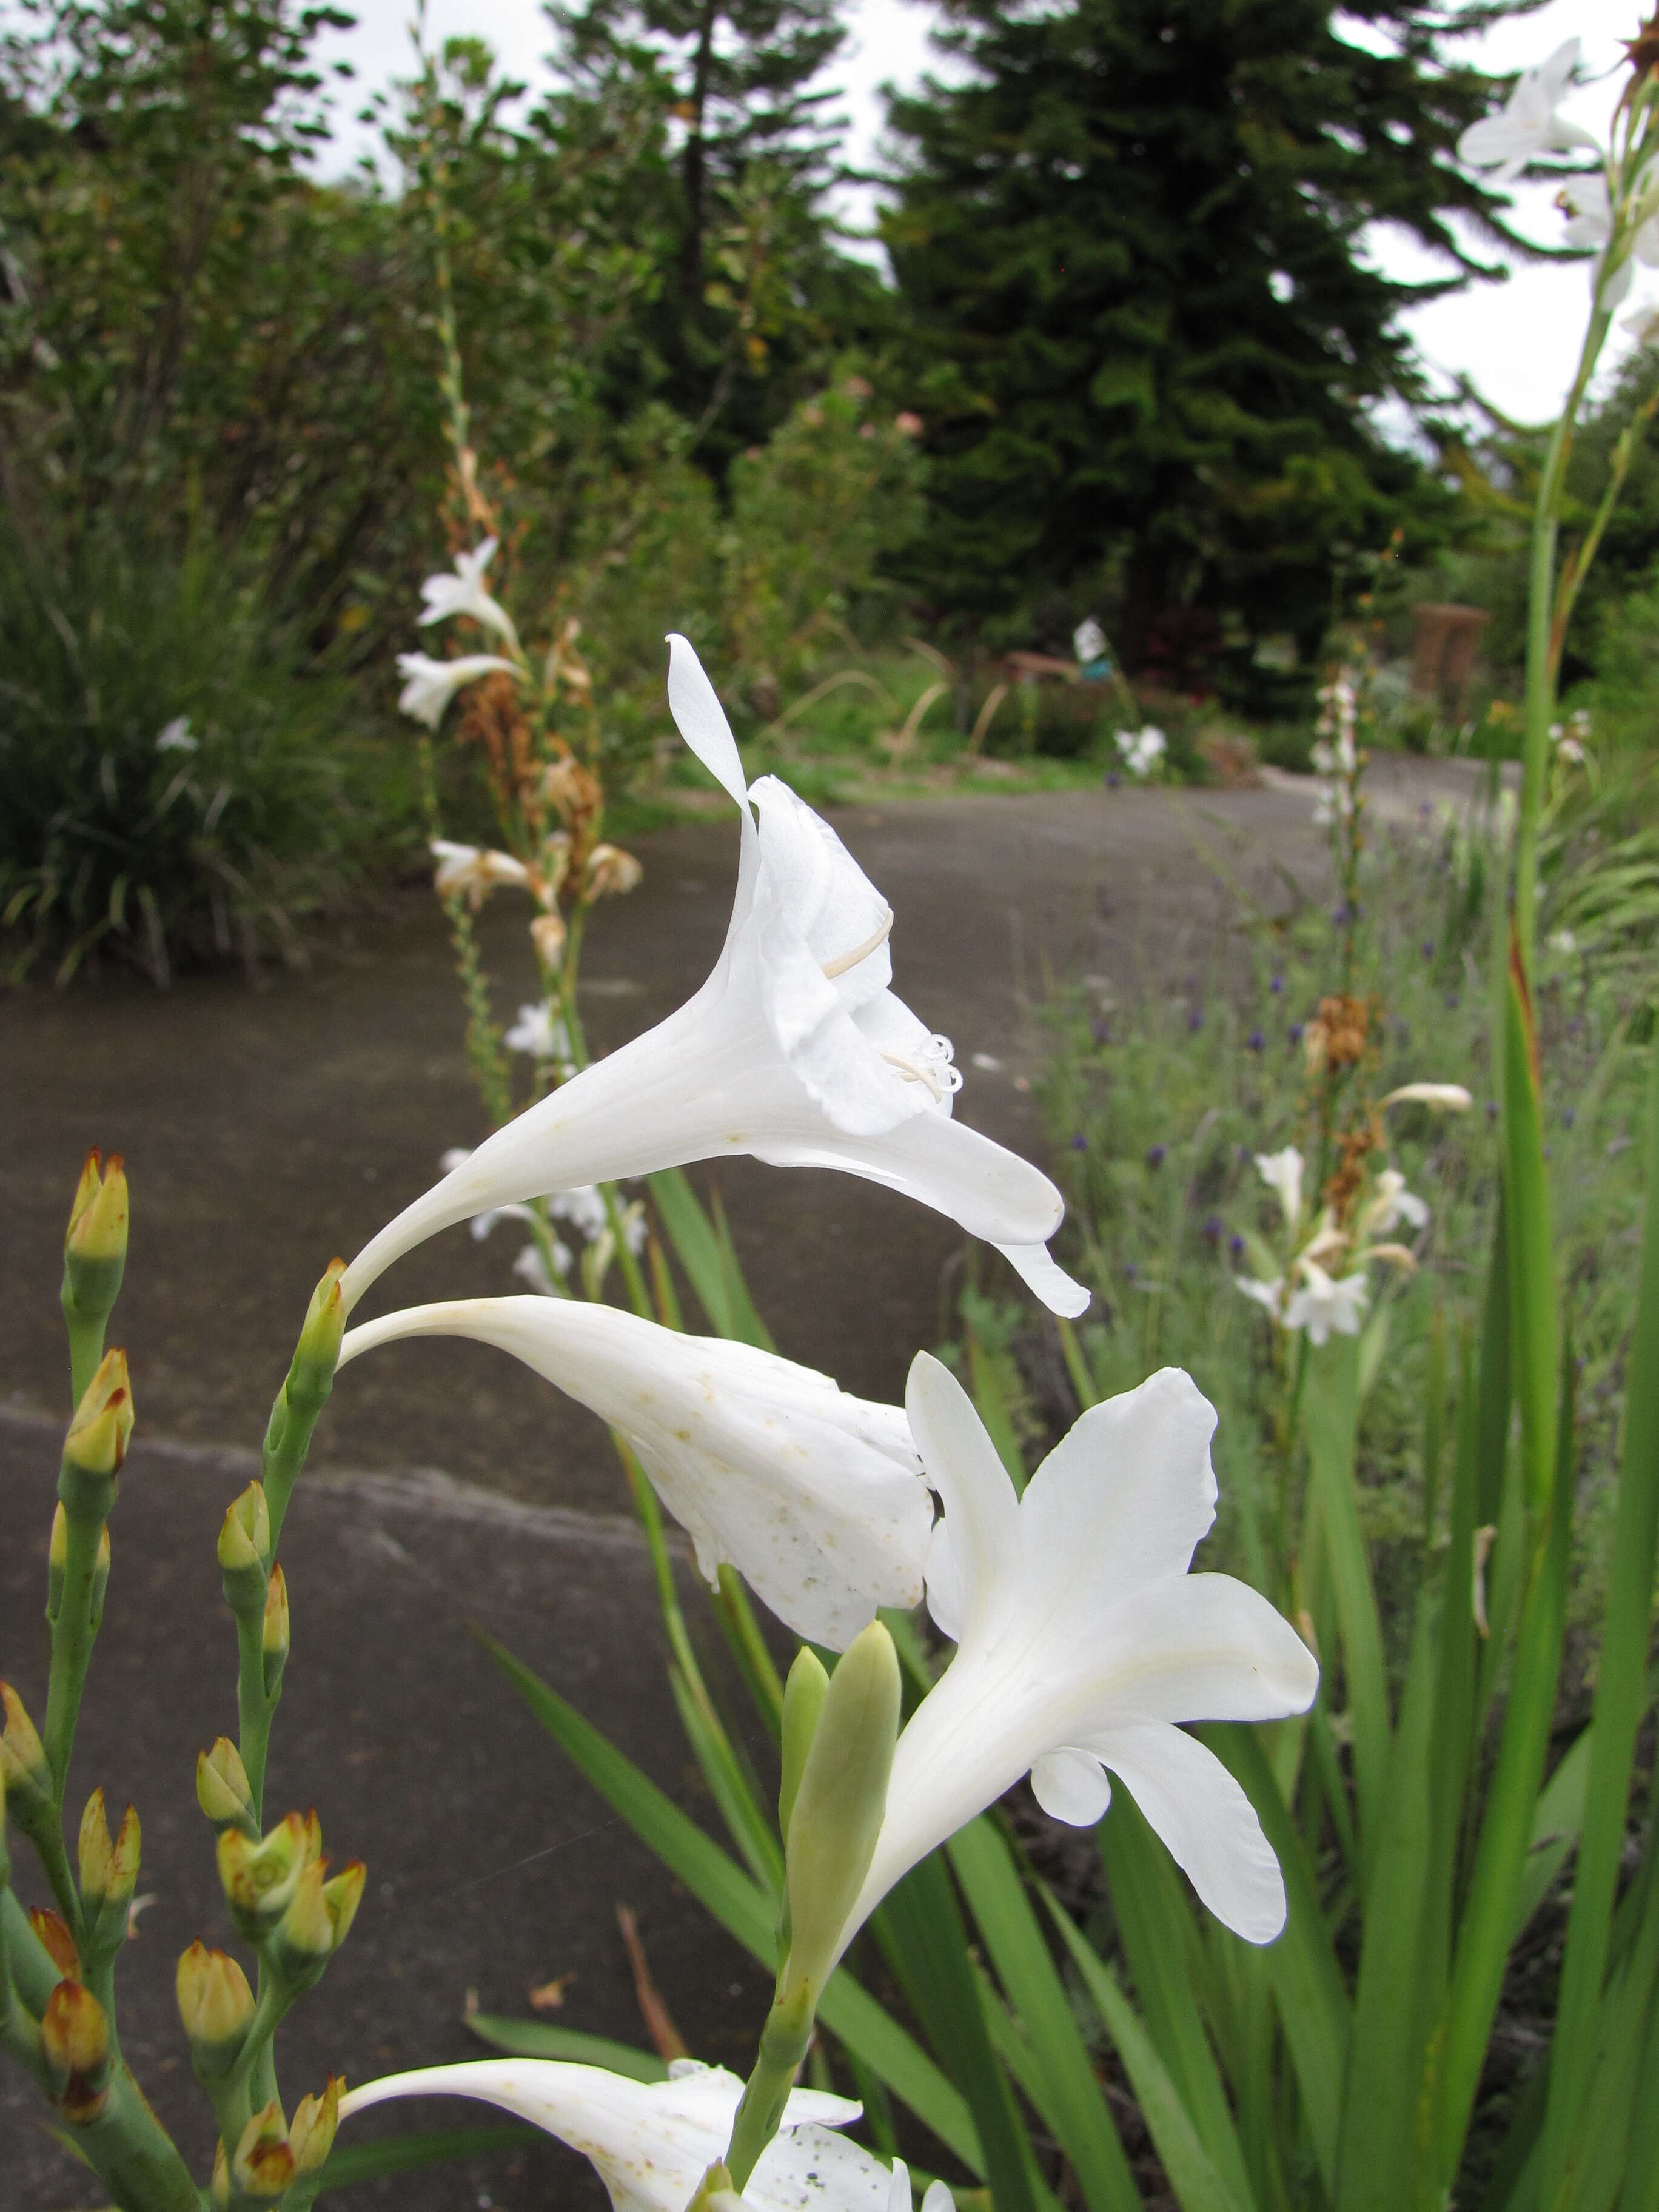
(815, 1496)
(1083, 1640)
(652, 2142)
(795, 1051)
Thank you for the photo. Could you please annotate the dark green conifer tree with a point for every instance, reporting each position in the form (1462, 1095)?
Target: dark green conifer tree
(1147, 335)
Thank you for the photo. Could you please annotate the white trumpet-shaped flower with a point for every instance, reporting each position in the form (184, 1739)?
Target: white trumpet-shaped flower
(815, 1496)
(1321, 1304)
(474, 870)
(429, 684)
(1268, 1296)
(1528, 125)
(1282, 1173)
(651, 2142)
(1445, 1098)
(1589, 225)
(1083, 1640)
(462, 591)
(795, 1050)
(539, 1032)
(1391, 1203)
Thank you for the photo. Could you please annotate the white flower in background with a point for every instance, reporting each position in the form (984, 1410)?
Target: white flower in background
(795, 1050)
(429, 685)
(1269, 1296)
(1392, 1203)
(1589, 225)
(533, 1267)
(584, 1209)
(1142, 750)
(815, 1497)
(1528, 124)
(175, 737)
(474, 871)
(1572, 738)
(1445, 1098)
(1282, 1173)
(652, 2142)
(1321, 1304)
(1089, 641)
(1563, 941)
(1334, 804)
(539, 1032)
(464, 592)
(1083, 1639)
(1642, 322)
(1340, 758)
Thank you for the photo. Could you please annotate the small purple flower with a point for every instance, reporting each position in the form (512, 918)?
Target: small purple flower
(1568, 1117)
(1276, 985)
(1079, 1143)
(1453, 999)
(1235, 1244)
(1194, 1019)
(1130, 1271)
(1112, 780)
(1102, 1033)
(1213, 1225)
(1428, 948)
(1155, 1155)
(1294, 1035)
(1256, 1042)
(1340, 915)
(1491, 1109)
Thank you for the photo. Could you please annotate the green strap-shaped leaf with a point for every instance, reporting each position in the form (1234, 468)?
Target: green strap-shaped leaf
(351, 2163)
(745, 1911)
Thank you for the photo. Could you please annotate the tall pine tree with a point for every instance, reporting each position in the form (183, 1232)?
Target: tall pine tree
(1147, 337)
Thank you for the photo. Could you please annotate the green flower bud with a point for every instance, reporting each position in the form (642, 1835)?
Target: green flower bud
(24, 1763)
(311, 1377)
(109, 1871)
(52, 1933)
(260, 1877)
(97, 1441)
(803, 1693)
(98, 1215)
(101, 1575)
(837, 1813)
(215, 2005)
(57, 1561)
(275, 1635)
(311, 2137)
(219, 2187)
(262, 2165)
(318, 1921)
(245, 1549)
(223, 1789)
(75, 2047)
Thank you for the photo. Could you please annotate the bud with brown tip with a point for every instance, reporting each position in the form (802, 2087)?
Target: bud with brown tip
(260, 1877)
(245, 1550)
(24, 1763)
(274, 1638)
(75, 2049)
(97, 1441)
(262, 2165)
(216, 2006)
(223, 1789)
(52, 1933)
(94, 1258)
(317, 1921)
(109, 1873)
(311, 1377)
(310, 2135)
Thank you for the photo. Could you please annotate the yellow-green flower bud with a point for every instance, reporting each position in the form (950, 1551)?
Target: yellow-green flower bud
(260, 1877)
(101, 1575)
(838, 1808)
(109, 1871)
(318, 1921)
(219, 2187)
(275, 1635)
(23, 1762)
(223, 1789)
(803, 1693)
(311, 2137)
(97, 1217)
(52, 1933)
(215, 2005)
(97, 1441)
(311, 1377)
(262, 2165)
(75, 2049)
(245, 1550)
(57, 1561)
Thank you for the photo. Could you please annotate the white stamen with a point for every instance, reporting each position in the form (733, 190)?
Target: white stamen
(941, 1079)
(843, 961)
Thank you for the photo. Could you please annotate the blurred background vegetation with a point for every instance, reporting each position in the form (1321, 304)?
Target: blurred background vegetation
(1131, 362)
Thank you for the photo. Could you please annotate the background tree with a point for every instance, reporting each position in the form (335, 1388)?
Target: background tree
(1145, 333)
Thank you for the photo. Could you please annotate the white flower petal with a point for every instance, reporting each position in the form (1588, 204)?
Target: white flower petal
(1207, 1824)
(816, 1496)
(962, 1465)
(1044, 1277)
(701, 719)
(1130, 1488)
(1071, 1786)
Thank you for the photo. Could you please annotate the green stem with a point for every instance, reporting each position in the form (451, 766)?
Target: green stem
(130, 2151)
(783, 2044)
(254, 1710)
(73, 1631)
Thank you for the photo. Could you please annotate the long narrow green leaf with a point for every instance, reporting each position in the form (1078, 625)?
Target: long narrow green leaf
(755, 1835)
(695, 1245)
(541, 2038)
(1595, 2166)
(1620, 1694)
(1169, 1967)
(1309, 1992)
(745, 1911)
(1074, 2105)
(1193, 2176)
(1534, 1335)
(746, 1322)
(922, 1925)
(1483, 1940)
(368, 2161)
(1329, 1414)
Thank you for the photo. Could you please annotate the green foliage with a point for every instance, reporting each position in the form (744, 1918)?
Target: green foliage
(174, 785)
(1142, 334)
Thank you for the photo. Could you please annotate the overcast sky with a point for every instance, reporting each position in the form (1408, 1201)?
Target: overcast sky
(1517, 340)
